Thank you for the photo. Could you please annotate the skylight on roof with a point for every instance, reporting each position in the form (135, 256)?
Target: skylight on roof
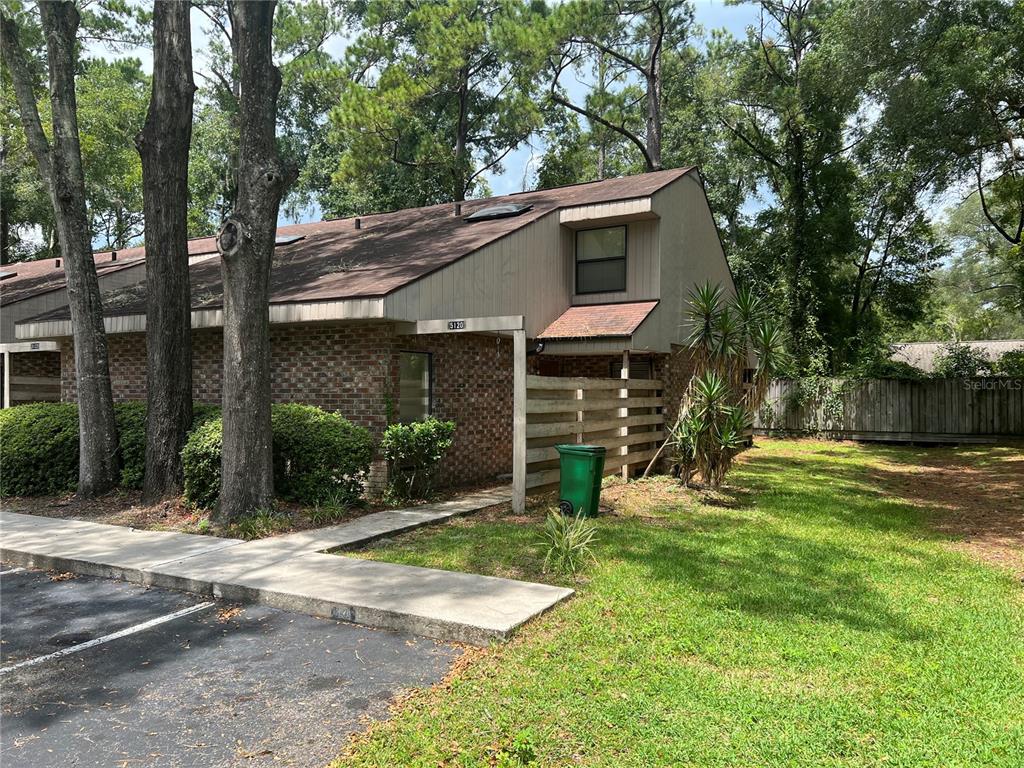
(7, 275)
(287, 239)
(502, 211)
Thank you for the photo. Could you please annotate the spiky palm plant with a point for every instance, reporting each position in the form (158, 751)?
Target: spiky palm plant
(704, 306)
(715, 413)
(768, 342)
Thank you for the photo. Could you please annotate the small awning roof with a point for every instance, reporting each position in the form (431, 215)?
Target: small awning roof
(597, 320)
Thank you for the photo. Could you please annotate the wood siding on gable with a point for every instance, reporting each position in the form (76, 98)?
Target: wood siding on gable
(642, 265)
(521, 274)
(531, 272)
(691, 253)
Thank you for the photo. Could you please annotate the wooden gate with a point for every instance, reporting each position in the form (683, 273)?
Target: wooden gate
(623, 415)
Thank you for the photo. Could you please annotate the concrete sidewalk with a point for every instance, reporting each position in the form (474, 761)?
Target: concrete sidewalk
(290, 572)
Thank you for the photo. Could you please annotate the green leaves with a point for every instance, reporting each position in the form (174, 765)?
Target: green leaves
(413, 452)
(569, 543)
(319, 457)
(445, 89)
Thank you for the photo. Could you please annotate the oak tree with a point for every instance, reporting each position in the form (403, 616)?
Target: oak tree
(59, 162)
(164, 147)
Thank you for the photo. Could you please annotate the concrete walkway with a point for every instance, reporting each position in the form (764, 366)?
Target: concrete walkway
(291, 572)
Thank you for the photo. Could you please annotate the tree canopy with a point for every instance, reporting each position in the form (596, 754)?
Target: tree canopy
(863, 158)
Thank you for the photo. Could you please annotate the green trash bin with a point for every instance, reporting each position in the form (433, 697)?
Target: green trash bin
(579, 486)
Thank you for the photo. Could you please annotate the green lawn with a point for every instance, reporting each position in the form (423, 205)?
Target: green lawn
(810, 617)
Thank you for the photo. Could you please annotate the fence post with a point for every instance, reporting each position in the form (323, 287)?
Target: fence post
(7, 380)
(519, 421)
(624, 413)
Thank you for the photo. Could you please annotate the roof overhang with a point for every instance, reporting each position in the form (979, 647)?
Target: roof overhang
(500, 324)
(601, 214)
(298, 312)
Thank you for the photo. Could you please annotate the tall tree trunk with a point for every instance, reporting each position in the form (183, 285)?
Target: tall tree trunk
(163, 145)
(461, 129)
(61, 167)
(246, 245)
(797, 310)
(654, 85)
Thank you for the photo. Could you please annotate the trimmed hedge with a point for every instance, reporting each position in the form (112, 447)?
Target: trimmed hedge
(413, 452)
(318, 456)
(131, 431)
(200, 461)
(38, 449)
(39, 445)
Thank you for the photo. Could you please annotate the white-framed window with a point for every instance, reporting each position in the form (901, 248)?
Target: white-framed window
(415, 385)
(601, 260)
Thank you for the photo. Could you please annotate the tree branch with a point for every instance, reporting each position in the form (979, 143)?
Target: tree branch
(14, 57)
(984, 209)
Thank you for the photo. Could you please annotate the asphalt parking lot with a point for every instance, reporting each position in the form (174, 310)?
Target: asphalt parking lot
(104, 673)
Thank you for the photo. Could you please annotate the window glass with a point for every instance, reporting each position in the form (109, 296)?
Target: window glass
(594, 244)
(414, 386)
(601, 260)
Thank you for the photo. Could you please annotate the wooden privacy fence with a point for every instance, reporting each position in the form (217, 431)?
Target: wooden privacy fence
(623, 415)
(932, 410)
(34, 389)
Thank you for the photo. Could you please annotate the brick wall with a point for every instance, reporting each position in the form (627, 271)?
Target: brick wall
(473, 387)
(353, 368)
(46, 364)
(678, 370)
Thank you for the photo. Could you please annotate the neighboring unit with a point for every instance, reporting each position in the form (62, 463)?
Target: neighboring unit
(467, 312)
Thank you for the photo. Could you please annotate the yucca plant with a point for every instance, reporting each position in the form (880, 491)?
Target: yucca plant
(682, 443)
(768, 342)
(715, 414)
(569, 541)
(704, 305)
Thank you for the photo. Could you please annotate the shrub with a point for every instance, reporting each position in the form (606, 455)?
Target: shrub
(884, 368)
(319, 456)
(40, 445)
(1010, 363)
(203, 412)
(961, 361)
(568, 541)
(200, 462)
(38, 449)
(413, 452)
(131, 429)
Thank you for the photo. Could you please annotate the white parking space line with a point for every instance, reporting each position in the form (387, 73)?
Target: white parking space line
(10, 571)
(107, 638)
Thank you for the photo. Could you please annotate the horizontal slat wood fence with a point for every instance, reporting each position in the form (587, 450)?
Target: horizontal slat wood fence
(34, 389)
(933, 410)
(623, 415)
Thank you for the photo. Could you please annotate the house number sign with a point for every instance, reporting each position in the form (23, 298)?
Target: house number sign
(456, 325)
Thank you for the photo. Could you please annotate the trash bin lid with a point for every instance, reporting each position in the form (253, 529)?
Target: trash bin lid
(584, 450)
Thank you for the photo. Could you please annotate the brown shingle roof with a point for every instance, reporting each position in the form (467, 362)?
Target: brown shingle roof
(33, 278)
(596, 320)
(334, 260)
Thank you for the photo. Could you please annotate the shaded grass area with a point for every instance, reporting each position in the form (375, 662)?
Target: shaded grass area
(808, 616)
